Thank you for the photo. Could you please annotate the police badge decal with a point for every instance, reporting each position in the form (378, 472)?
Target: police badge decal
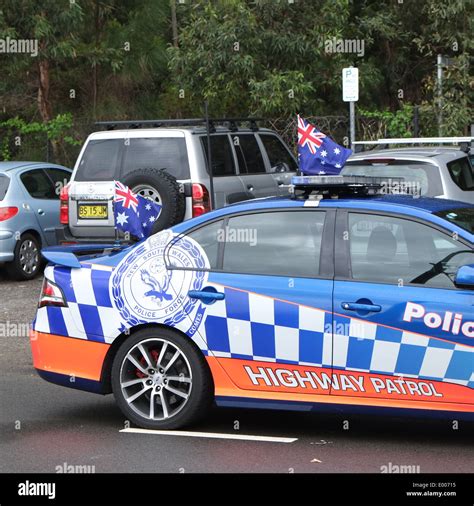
(152, 282)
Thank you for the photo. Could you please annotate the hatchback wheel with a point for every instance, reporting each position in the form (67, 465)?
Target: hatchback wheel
(160, 380)
(27, 261)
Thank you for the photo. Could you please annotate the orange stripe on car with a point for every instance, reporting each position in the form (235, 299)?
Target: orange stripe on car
(65, 355)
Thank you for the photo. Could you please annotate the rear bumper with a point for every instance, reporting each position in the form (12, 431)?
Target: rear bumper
(7, 245)
(67, 361)
(64, 236)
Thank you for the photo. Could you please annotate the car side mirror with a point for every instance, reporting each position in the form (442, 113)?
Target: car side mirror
(465, 276)
(280, 167)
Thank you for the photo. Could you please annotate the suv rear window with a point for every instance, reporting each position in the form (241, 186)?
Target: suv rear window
(168, 153)
(461, 173)
(100, 160)
(423, 176)
(462, 217)
(108, 159)
(4, 184)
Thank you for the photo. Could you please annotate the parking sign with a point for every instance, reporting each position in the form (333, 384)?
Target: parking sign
(350, 84)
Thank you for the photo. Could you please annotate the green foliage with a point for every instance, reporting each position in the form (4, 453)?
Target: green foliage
(116, 59)
(55, 130)
(397, 124)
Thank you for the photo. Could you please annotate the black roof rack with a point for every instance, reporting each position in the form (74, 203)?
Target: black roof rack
(231, 123)
(320, 187)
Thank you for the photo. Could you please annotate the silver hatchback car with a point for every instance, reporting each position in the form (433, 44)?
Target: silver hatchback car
(443, 172)
(29, 213)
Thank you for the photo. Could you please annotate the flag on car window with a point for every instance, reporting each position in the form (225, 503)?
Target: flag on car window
(134, 213)
(318, 153)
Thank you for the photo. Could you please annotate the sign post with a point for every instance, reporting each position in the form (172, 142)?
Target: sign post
(350, 93)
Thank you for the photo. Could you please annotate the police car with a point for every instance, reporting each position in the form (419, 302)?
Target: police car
(339, 295)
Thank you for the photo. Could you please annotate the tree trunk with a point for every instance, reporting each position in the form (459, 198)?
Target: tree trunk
(174, 23)
(44, 105)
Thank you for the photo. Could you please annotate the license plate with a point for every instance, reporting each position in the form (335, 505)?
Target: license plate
(93, 211)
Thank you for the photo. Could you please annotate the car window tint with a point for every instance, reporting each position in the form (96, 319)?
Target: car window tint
(283, 243)
(280, 158)
(100, 161)
(250, 156)
(423, 178)
(221, 154)
(461, 173)
(37, 184)
(4, 184)
(461, 216)
(168, 153)
(208, 237)
(60, 179)
(386, 249)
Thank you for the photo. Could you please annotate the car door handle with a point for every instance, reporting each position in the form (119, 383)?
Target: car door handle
(355, 306)
(250, 187)
(208, 295)
(41, 212)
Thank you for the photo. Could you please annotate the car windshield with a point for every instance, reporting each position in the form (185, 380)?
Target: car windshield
(462, 217)
(108, 159)
(4, 183)
(423, 178)
(461, 173)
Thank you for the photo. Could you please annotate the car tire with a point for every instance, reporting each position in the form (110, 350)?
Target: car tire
(161, 187)
(27, 261)
(141, 392)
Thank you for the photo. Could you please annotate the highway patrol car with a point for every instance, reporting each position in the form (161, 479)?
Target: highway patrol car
(339, 296)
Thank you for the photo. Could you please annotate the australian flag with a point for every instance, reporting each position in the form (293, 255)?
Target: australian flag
(134, 213)
(317, 153)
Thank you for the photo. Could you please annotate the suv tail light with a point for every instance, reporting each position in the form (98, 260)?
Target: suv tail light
(51, 295)
(201, 202)
(64, 207)
(8, 212)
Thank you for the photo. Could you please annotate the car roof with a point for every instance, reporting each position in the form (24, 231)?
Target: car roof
(169, 132)
(17, 165)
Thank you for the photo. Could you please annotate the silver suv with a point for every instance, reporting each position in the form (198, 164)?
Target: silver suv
(444, 172)
(169, 166)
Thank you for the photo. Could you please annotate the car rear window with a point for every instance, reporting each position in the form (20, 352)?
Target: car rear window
(461, 173)
(108, 159)
(168, 153)
(422, 177)
(462, 217)
(4, 184)
(100, 161)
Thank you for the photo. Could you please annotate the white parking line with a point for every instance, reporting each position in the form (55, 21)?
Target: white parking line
(213, 435)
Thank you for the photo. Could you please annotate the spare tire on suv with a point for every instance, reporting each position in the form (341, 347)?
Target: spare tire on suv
(162, 188)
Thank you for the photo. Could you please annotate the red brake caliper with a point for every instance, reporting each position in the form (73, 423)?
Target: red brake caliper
(154, 356)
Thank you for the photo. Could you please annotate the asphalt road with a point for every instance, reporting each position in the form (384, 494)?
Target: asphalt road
(43, 426)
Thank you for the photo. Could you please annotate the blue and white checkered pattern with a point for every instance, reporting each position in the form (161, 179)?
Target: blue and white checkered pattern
(255, 327)
(251, 326)
(90, 314)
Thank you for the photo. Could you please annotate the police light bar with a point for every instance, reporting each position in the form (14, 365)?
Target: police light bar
(307, 187)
